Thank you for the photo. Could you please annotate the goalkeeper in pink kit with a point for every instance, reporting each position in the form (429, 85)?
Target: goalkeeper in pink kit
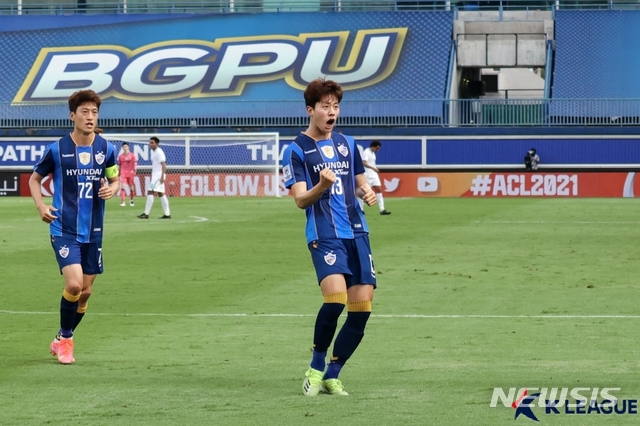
(128, 163)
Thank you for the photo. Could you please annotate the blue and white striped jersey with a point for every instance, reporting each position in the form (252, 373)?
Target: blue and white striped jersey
(76, 172)
(337, 213)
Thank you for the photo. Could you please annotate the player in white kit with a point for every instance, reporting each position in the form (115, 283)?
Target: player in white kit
(158, 176)
(371, 173)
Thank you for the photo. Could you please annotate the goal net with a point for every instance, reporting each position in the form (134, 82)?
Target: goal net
(209, 164)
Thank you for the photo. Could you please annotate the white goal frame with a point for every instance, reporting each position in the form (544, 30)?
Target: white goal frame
(263, 150)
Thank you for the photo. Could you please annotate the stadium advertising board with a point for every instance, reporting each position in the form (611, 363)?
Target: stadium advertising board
(187, 185)
(409, 152)
(9, 184)
(451, 184)
(511, 184)
(268, 58)
(26, 152)
(553, 150)
(22, 152)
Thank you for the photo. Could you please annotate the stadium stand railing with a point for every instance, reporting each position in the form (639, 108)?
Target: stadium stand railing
(38, 7)
(456, 113)
(546, 111)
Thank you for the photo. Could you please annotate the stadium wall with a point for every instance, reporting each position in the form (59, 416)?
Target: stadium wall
(411, 167)
(620, 152)
(132, 58)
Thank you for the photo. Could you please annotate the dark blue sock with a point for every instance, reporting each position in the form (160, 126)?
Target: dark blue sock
(67, 317)
(318, 360)
(325, 329)
(333, 370)
(77, 319)
(349, 338)
(65, 333)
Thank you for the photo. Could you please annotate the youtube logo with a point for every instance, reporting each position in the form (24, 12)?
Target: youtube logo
(427, 184)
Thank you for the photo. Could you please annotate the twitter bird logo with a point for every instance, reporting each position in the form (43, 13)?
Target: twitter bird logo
(391, 185)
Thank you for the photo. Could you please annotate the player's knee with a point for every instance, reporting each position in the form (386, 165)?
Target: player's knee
(71, 295)
(73, 286)
(86, 294)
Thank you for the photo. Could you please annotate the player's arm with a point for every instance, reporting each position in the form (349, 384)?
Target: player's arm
(110, 185)
(135, 163)
(364, 191)
(164, 171)
(45, 166)
(35, 186)
(307, 197)
(366, 165)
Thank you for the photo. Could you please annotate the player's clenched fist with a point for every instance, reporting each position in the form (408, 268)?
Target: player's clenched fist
(327, 178)
(368, 196)
(46, 213)
(105, 192)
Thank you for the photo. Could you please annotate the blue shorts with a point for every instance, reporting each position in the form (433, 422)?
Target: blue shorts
(351, 258)
(70, 252)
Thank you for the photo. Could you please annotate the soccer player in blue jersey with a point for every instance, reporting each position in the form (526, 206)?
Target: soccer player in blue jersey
(83, 166)
(325, 173)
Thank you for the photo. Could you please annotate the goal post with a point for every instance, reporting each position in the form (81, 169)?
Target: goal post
(209, 164)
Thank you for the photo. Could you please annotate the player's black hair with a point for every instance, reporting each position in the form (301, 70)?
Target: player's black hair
(156, 140)
(125, 143)
(375, 143)
(82, 97)
(318, 89)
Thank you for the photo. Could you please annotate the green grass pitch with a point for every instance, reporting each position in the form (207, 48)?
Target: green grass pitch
(207, 319)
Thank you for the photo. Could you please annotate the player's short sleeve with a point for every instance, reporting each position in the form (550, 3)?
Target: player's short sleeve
(366, 155)
(47, 163)
(293, 170)
(112, 155)
(161, 157)
(358, 167)
(111, 166)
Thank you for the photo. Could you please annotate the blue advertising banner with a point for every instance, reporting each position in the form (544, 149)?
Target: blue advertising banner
(397, 153)
(595, 54)
(25, 152)
(207, 59)
(552, 151)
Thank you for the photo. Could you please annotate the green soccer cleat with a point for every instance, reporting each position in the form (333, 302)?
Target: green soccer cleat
(333, 387)
(312, 384)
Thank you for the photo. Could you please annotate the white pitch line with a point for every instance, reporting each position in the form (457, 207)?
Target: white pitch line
(543, 222)
(199, 218)
(151, 314)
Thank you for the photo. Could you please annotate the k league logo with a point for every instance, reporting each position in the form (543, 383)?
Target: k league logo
(563, 401)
